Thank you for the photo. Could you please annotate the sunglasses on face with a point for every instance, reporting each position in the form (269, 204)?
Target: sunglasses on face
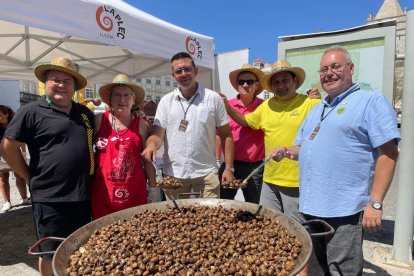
(249, 82)
(183, 69)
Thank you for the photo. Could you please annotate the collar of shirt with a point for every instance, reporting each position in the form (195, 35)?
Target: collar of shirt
(341, 96)
(179, 95)
(254, 102)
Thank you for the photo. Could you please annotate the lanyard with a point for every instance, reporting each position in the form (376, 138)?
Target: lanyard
(323, 116)
(188, 107)
(324, 106)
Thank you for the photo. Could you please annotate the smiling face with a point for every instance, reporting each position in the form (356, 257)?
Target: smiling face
(59, 88)
(184, 73)
(122, 99)
(335, 73)
(244, 88)
(284, 85)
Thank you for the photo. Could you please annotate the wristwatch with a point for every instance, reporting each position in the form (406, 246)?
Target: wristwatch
(377, 205)
(230, 169)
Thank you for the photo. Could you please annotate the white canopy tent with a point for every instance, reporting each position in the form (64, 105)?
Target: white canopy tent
(103, 38)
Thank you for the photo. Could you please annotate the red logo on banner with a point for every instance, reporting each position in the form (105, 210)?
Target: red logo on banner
(193, 47)
(107, 17)
(105, 23)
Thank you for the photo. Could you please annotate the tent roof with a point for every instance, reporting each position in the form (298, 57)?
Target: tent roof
(103, 38)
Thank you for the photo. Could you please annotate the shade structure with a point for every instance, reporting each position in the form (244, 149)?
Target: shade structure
(103, 38)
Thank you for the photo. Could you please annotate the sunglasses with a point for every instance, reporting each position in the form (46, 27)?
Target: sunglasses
(249, 82)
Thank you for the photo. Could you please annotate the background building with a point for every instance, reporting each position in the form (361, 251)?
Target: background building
(391, 9)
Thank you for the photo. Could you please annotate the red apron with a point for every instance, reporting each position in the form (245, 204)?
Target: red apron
(119, 180)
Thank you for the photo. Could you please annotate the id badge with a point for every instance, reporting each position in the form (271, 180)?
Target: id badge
(183, 126)
(315, 131)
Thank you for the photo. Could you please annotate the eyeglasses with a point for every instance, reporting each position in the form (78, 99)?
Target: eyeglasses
(56, 81)
(249, 82)
(335, 68)
(119, 96)
(183, 69)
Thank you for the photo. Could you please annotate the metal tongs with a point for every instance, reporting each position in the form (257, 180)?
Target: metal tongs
(256, 170)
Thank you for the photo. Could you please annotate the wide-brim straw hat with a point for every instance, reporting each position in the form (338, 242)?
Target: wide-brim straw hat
(61, 64)
(121, 79)
(233, 76)
(283, 66)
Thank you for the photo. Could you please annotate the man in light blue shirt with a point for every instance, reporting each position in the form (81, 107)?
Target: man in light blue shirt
(347, 149)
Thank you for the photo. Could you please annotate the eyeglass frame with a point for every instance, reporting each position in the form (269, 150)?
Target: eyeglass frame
(185, 69)
(57, 81)
(249, 82)
(322, 71)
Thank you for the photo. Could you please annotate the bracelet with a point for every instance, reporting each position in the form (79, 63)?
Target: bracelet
(230, 169)
(288, 154)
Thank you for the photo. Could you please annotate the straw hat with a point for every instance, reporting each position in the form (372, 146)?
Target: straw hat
(283, 66)
(60, 64)
(105, 91)
(246, 68)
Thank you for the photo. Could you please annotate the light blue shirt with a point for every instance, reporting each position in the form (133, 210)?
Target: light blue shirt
(337, 166)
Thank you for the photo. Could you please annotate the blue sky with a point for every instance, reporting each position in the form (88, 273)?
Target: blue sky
(258, 24)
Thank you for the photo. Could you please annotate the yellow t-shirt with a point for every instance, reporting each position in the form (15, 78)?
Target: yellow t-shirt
(280, 121)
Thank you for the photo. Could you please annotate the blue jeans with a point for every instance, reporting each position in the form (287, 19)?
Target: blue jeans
(254, 186)
(341, 253)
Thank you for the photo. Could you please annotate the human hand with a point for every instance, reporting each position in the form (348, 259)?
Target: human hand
(371, 221)
(227, 175)
(224, 98)
(313, 93)
(149, 153)
(278, 154)
(95, 101)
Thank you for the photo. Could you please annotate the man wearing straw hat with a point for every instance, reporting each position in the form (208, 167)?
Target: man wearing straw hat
(279, 117)
(248, 143)
(186, 123)
(58, 133)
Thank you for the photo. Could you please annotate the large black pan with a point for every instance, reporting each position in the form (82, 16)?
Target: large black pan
(76, 239)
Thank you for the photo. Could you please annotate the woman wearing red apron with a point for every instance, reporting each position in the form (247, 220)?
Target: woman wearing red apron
(121, 173)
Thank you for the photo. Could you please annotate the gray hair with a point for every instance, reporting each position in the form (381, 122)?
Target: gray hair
(338, 48)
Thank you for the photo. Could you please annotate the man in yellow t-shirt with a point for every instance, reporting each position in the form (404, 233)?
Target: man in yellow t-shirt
(280, 118)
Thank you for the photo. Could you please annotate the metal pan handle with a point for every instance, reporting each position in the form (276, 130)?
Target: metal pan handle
(328, 228)
(37, 244)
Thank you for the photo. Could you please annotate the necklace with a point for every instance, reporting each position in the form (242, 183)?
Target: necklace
(116, 126)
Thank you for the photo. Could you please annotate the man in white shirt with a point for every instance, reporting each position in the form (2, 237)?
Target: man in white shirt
(186, 122)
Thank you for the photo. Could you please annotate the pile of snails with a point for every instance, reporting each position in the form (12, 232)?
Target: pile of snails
(192, 240)
(169, 183)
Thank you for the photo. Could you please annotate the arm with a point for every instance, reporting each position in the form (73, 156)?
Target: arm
(234, 114)
(94, 101)
(10, 150)
(278, 154)
(227, 144)
(149, 168)
(218, 150)
(384, 172)
(153, 143)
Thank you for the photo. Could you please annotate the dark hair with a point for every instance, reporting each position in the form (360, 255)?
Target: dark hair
(7, 110)
(183, 55)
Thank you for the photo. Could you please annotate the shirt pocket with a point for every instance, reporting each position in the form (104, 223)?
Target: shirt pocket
(204, 114)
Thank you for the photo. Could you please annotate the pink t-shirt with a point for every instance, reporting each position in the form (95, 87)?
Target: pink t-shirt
(248, 143)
